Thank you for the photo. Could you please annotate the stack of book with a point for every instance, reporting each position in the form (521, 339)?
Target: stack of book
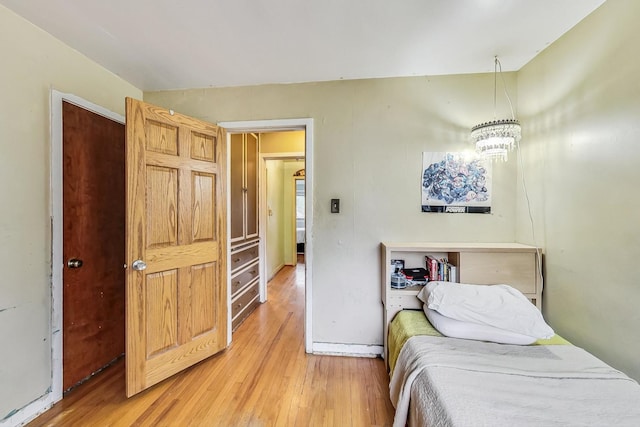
(441, 269)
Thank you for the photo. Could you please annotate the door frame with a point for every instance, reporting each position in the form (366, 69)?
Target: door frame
(262, 126)
(57, 263)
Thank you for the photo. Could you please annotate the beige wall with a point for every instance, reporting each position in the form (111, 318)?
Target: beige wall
(280, 221)
(282, 142)
(33, 62)
(369, 136)
(580, 104)
(275, 216)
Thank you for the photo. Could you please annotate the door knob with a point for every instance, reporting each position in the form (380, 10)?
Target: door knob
(139, 265)
(74, 263)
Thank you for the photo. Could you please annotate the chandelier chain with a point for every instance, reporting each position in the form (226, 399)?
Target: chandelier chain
(494, 139)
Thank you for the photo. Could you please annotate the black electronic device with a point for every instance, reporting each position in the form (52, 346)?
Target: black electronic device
(418, 274)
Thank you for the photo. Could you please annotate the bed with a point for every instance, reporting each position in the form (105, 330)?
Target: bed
(300, 235)
(442, 381)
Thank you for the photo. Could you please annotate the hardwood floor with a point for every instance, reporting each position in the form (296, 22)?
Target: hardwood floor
(263, 379)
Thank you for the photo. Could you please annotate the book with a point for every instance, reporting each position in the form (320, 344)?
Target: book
(432, 267)
(453, 273)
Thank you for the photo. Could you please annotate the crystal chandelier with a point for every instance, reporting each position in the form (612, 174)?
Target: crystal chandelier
(496, 138)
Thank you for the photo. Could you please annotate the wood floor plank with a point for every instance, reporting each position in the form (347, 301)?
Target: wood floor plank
(263, 379)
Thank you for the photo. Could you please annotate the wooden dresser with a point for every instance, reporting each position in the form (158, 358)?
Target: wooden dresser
(244, 257)
(245, 282)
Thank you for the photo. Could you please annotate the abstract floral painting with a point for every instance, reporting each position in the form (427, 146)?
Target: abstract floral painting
(455, 183)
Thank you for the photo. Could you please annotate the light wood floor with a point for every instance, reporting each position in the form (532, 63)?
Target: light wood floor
(263, 379)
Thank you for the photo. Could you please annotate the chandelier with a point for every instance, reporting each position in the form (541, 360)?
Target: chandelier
(496, 138)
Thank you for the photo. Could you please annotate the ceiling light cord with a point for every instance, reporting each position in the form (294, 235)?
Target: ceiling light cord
(498, 67)
(495, 85)
(526, 195)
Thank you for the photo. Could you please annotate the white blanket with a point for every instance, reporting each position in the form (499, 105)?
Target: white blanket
(454, 382)
(300, 235)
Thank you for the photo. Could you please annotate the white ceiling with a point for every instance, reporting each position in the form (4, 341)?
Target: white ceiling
(162, 44)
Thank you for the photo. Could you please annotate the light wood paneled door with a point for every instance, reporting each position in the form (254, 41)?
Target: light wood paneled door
(176, 310)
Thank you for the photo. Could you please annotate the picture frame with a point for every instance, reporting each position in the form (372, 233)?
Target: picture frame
(455, 182)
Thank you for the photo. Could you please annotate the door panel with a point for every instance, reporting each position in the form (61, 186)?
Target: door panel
(203, 194)
(162, 188)
(176, 210)
(237, 188)
(93, 231)
(252, 185)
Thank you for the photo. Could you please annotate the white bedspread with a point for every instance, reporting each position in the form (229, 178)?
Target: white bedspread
(454, 382)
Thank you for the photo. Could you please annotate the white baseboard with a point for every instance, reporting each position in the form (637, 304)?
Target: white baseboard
(276, 271)
(337, 349)
(29, 412)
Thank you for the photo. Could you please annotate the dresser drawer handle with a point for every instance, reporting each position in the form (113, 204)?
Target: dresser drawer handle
(253, 272)
(238, 305)
(236, 283)
(236, 260)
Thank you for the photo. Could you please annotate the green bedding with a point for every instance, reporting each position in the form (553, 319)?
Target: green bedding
(409, 323)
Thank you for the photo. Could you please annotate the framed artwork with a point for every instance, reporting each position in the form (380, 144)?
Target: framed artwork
(455, 183)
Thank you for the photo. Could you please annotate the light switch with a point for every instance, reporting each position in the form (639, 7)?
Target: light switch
(335, 205)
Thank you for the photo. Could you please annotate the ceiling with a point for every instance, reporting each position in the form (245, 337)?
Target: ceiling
(161, 44)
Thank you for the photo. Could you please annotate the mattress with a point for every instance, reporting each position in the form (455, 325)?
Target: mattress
(299, 235)
(409, 323)
(440, 381)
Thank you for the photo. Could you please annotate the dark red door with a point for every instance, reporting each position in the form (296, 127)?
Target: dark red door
(94, 245)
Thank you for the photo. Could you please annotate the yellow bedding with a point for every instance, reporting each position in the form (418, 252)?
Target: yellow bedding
(409, 323)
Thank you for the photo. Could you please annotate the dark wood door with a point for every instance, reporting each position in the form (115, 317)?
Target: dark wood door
(93, 232)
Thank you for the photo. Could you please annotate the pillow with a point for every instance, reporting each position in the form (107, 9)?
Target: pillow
(473, 331)
(500, 306)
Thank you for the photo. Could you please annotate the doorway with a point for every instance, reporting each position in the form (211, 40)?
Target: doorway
(93, 242)
(284, 223)
(265, 126)
(57, 214)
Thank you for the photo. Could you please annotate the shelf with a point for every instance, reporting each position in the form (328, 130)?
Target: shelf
(513, 264)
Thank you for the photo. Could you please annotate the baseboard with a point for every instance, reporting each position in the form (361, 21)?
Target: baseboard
(276, 271)
(337, 349)
(28, 413)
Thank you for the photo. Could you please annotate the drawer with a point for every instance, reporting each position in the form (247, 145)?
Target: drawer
(243, 257)
(244, 299)
(517, 269)
(242, 279)
(247, 311)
